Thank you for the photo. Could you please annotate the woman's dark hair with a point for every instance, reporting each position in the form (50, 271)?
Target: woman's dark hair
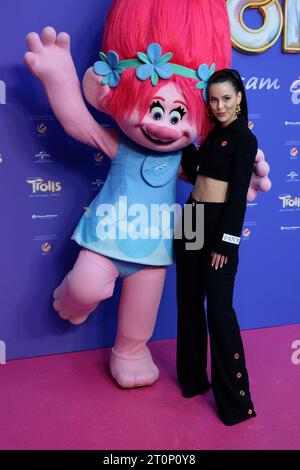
(232, 76)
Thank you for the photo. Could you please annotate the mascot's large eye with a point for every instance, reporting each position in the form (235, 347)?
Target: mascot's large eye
(157, 113)
(175, 117)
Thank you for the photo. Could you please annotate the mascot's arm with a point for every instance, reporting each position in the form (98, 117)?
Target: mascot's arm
(50, 60)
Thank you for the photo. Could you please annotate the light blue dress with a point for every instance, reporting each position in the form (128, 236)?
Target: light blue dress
(133, 217)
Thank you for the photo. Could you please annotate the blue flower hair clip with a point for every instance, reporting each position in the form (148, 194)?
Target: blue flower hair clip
(204, 73)
(154, 64)
(110, 68)
(151, 64)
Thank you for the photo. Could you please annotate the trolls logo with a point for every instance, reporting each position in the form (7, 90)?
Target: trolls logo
(274, 19)
(2, 352)
(41, 186)
(2, 92)
(295, 90)
(295, 358)
(289, 202)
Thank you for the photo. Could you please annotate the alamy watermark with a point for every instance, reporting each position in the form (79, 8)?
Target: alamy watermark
(295, 357)
(2, 352)
(135, 221)
(2, 92)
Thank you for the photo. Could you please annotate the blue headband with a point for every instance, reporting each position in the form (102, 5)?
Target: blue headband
(151, 65)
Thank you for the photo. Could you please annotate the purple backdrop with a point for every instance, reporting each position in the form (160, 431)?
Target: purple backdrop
(47, 179)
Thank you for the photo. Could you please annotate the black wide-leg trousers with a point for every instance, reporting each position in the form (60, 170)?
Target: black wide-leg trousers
(197, 280)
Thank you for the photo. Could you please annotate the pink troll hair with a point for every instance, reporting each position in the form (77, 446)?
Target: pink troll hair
(195, 31)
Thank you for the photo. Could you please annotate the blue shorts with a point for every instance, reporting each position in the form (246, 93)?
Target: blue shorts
(126, 268)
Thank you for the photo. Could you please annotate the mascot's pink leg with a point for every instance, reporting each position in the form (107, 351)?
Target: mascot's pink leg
(131, 363)
(91, 280)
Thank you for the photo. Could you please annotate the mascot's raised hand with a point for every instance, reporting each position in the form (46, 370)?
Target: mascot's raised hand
(150, 78)
(49, 58)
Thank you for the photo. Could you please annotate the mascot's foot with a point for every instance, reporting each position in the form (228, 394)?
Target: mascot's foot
(130, 371)
(76, 318)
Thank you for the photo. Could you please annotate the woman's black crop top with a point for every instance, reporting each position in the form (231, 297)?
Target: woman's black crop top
(228, 154)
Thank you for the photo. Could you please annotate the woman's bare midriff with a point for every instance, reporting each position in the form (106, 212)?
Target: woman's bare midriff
(208, 189)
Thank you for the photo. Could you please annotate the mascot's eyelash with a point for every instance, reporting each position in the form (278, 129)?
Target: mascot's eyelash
(181, 111)
(154, 104)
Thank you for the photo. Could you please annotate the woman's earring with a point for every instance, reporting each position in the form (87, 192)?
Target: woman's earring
(238, 109)
(209, 112)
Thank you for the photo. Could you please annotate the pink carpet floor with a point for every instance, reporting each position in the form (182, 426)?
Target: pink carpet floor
(69, 401)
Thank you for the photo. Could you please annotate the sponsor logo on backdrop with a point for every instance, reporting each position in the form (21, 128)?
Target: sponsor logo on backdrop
(1, 158)
(40, 238)
(289, 203)
(248, 230)
(98, 157)
(252, 118)
(292, 123)
(43, 157)
(290, 227)
(45, 242)
(293, 152)
(2, 92)
(252, 204)
(44, 216)
(43, 188)
(295, 91)
(41, 118)
(293, 148)
(42, 128)
(292, 176)
(41, 124)
(2, 352)
(46, 247)
(97, 184)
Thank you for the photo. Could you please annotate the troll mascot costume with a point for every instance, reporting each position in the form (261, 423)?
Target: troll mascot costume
(151, 78)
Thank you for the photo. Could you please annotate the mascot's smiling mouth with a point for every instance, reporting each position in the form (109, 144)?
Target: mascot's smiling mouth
(157, 141)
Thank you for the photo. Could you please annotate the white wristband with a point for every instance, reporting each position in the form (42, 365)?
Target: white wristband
(231, 239)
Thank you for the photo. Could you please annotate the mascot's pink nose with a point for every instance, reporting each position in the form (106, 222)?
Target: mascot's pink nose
(161, 132)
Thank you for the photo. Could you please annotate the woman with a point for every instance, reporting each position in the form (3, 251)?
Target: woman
(220, 171)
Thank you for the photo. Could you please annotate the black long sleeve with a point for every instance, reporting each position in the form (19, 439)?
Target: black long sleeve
(227, 238)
